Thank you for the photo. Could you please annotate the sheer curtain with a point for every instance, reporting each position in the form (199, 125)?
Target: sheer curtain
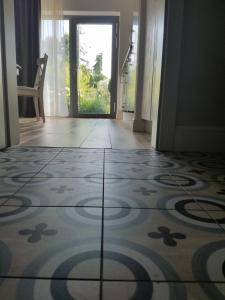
(52, 43)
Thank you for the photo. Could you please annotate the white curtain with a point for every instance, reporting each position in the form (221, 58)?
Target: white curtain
(52, 43)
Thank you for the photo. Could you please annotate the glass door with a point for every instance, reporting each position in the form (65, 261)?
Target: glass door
(95, 59)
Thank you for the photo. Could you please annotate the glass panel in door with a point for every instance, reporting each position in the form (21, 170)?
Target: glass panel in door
(94, 62)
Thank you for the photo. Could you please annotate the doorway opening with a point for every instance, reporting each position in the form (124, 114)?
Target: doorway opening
(93, 59)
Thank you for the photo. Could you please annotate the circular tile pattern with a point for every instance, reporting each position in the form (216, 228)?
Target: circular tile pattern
(142, 263)
(60, 291)
(4, 160)
(161, 164)
(115, 218)
(210, 164)
(183, 180)
(189, 183)
(208, 265)
(214, 204)
(185, 210)
(18, 210)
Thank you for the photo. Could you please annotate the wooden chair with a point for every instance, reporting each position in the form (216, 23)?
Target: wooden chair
(36, 92)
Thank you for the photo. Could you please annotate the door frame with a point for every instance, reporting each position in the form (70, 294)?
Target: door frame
(73, 22)
(9, 99)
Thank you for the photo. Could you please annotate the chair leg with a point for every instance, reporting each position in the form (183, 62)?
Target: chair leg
(42, 108)
(36, 106)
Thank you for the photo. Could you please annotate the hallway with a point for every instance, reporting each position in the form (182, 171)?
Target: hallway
(111, 224)
(82, 133)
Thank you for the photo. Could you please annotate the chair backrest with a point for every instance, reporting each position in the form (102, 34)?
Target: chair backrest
(40, 76)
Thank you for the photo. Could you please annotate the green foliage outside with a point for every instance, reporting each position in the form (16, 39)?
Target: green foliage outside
(67, 68)
(93, 86)
(131, 89)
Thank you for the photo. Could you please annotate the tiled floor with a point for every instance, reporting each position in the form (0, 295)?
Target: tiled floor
(83, 133)
(111, 224)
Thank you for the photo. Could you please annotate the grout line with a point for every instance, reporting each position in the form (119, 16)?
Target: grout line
(110, 280)
(211, 217)
(29, 181)
(88, 134)
(102, 233)
(112, 178)
(110, 207)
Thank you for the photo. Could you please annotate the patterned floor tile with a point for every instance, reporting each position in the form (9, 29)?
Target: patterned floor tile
(32, 149)
(33, 156)
(205, 169)
(56, 242)
(24, 289)
(83, 150)
(214, 190)
(5, 158)
(147, 159)
(60, 192)
(164, 245)
(133, 171)
(162, 290)
(218, 216)
(145, 194)
(8, 186)
(162, 232)
(70, 169)
(20, 169)
(80, 157)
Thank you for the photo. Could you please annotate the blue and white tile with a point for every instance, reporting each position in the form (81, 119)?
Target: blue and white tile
(147, 244)
(40, 242)
(70, 169)
(60, 192)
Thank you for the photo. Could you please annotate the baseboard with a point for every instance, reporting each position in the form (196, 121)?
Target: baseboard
(148, 126)
(196, 138)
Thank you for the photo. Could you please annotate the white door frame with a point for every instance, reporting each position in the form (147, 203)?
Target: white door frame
(10, 99)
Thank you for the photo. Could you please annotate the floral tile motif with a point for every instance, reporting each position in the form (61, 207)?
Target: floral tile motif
(39, 242)
(70, 169)
(140, 244)
(133, 171)
(111, 224)
(20, 169)
(60, 192)
(145, 194)
(82, 150)
(80, 157)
